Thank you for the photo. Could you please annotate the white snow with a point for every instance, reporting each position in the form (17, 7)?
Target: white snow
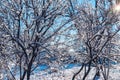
(67, 74)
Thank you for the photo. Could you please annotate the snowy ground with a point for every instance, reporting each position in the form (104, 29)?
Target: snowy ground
(67, 74)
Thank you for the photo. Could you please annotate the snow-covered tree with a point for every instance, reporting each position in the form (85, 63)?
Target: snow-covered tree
(30, 26)
(97, 26)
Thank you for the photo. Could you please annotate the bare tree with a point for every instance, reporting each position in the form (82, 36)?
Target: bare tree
(30, 25)
(97, 26)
